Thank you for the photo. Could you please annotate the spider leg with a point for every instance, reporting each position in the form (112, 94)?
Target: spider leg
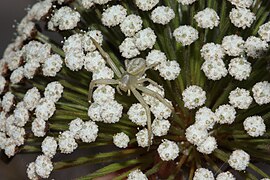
(150, 81)
(155, 95)
(148, 113)
(118, 90)
(99, 81)
(107, 58)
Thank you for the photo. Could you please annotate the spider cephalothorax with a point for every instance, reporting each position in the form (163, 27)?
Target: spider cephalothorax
(130, 80)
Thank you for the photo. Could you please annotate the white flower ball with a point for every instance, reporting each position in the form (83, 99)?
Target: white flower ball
(186, 2)
(204, 117)
(66, 142)
(208, 145)
(31, 171)
(52, 65)
(128, 48)
(111, 112)
(94, 61)
(87, 42)
(31, 98)
(239, 160)
(160, 110)
(169, 70)
(103, 73)
(113, 16)
(88, 132)
(49, 146)
(146, 5)
(212, 51)
(53, 91)
(186, 35)
(131, 24)
(225, 176)
(207, 18)
(196, 134)
(168, 150)
(214, 69)
(203, 174)
(242, 3)
(136, 175)
(137, 114)
(74, 60)
(162, 15)
(8, 101)
(264, 32)
(155, 57)
(240, 68)
(240, 98)
(75, 126)
(16, 77)
(242, 17)
(43, 166)
(142, 138)
(145, 39)
(39, 127)
(255, 47)
(193, 96)
(261, 92)
(226, 114)
(255, 126)
(233, 45)
(160, 127)
(103, 93)
(121, 140)
(101, 1)
(152, 101)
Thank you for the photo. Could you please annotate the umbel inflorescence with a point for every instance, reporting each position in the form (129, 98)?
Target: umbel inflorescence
(171, 89)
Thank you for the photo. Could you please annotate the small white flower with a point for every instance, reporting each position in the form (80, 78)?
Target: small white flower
(160, 110)
(49, 146)
(31, 171)
(31, 98)
(160, 127)
(87, 4)
(114, 15)
(74, 43)
(103, 73)
(10, 147)
(239, 160)
(52, 65)
(145, 39)
(186, 2)
(137, 114)
(103, 93)
(233, 45)
(3, 117)
(185, 35)
(146, 5)
(36, 52)
(53, 91)
(16, 77)
(2, 84)
(136, 175)
(162, 15)
(264, 31)
(168, 150)
(94, 111)
(255, 47)
(66, 142)
(212, 51)
(203, 174)
(204, 117)
(152, 100)
(196, 134)
(88, 132)
(121, 140)
(254, 126)
(242, 17)
(101, 1)
(43, 166)
(39, 127)
(14, 59)
(240, 98)
(261, 92)
(3, 140)
(242, 3)
(226, 114)
(75, 126)
(21, 116)
(45, 109)
(30, 69)
(25, 28)
(169, 70)
(8, 101)
(74, 60)
(240, 68)
(155, 57)
(65, 18)
(142, 138)
(39, 10)
(214, 69)
(87, 42)
(208, 145)
(128, 48)
(207, 18)
(131, 25)
(193, 96)
(225, 176)
(111, 112)
(94, 61)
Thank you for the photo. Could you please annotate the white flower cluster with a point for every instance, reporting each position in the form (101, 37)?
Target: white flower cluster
(240, 98)
(242, 17)
(242, 3)
(162, 15)
(168, 150)
(203, 174)
(233, 45)
(186, 35)
(264, 32)
(113, 16)
(240, 68)
(225, 176)
(186, 2)
(239, 160)
(226, 114)
(39, 10)
(137, 114)
(207, 18)
(121, 140)
(131, 24)
(254, 126)
(41, 168)
(193, 97)
(142, 138)
(261, 92)
(255, 47)
(146, 5)
(136, 175)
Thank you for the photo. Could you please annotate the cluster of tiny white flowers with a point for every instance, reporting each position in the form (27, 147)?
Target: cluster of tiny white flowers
(240, 68)
(261, 92)
(204, 117)
(214, 69)
(136, 175)
(142, 138)
(168, 150)
(137, 114)
(186, 35)
(146, 5)
(128, 48)
(64, 18)
(193, 96)
(242, 3)
(207, 18)
(66, 142)
(121, 140)
(155, 57)
(75, 126)
(203, 173)
(145, 39)
(212, 51)
(160, 127)
(207, 146)
(49, 146)
(52, 65)
(114, 15)
(89, 132)
(131, 24)
(255, 47)
(186, 2)
(225, 176)
(39, 10)
(169, 70)
(239, 160)
(240, 98)
(264, 32)
(162, 15)
(254, 126)
(196, 134)
(226, 114)
(242, 17)
(87, 3)
(103, 93)
(233, 45)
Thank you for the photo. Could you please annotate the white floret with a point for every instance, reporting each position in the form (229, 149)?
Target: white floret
(44, 166)
(254, 126)
(49, 146)
(155, 57)
(87, 4)
(233, 45)
(74, 43)
(52, 65)
(21, 116)
(31, 171)
(203, 174)
(131, 24)
(204, 117)
(8, 101)
(261, 92)
(145, 39)
(160, 127)
(239, 160)
(39, 127)
(264, 32)
(94, 111)
(146, 5)
(10, 147)
(136, 175)
(3, 117)
(128, 48)
(225, 176)
(88, 132)
(9, 123)
(45, 109)
(87, 42)
(65, 18)
(137, 114)
(242, 3)
(3, 140)
(94, 61)
(14, 59)
(240, 98)
(53, 91)
(30, 69)
(66, 142)
(36, 52)
(111, 112)
(169, 70)
(160, 110)
(194, 96)
(101, 1)
(242, 17)
(39, 10)
(121, 140)
(186, 2)
(74, 60)
(207, 18)
(2, 84)
(186, 35)
(212, 51)
(75, 126)
(162, 15)
(16, 77)
(26, 28)
(226, 114)
(255, 47)
(16, 134)
(113, 16)
(31, 98)
(240, 68)
(142, 138)
(103, 73)
(196, 134)
(207, 146)
(103, 93)
(168, 150)
(152, 100)
(214, 69)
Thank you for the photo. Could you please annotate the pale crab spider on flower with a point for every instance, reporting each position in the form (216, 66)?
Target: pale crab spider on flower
(130, 80)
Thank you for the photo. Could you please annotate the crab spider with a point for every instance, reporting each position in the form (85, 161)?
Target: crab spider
(130, 80)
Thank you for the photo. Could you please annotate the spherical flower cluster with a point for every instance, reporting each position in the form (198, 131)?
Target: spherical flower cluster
(89, 132)
(242, 17)
(136, 175)
(186, 2)
(103, 93)
(160, 110)
(7, 101)
(66, 142)
(31, 171)
(240, 98)
(240, 68)
(264, 32)
(75, 126)
(254, 126)
(214, 69)
(239, 160)
(146, 5)
(255, 47)
(52, 65)
(101, 1)
(162, 15)
(131, 24)
(43, 166)
(261, 92)
(93, 61)
(168, 150)
(142, 138)
(204, 117)
(151, 100)
(225, 176)
(208, 145)
(196, 134)
(49, 146)
(53, 91)
(233, 45)
(38, 127)
(145, 39)
(242, 3)
(121, 140)
(203, 174)
(114, 15)
(186, 35)
(87, 4)
(169, 70)
(128, 48)
(160, 127)
(45, 109)
(226, 114)
(155, 57)
(137, 114)
(207, 18)
(212, 51)
(194, 96)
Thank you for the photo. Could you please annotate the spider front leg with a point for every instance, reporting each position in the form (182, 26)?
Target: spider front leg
(99, 81)
(150, 81)
(148, 113)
